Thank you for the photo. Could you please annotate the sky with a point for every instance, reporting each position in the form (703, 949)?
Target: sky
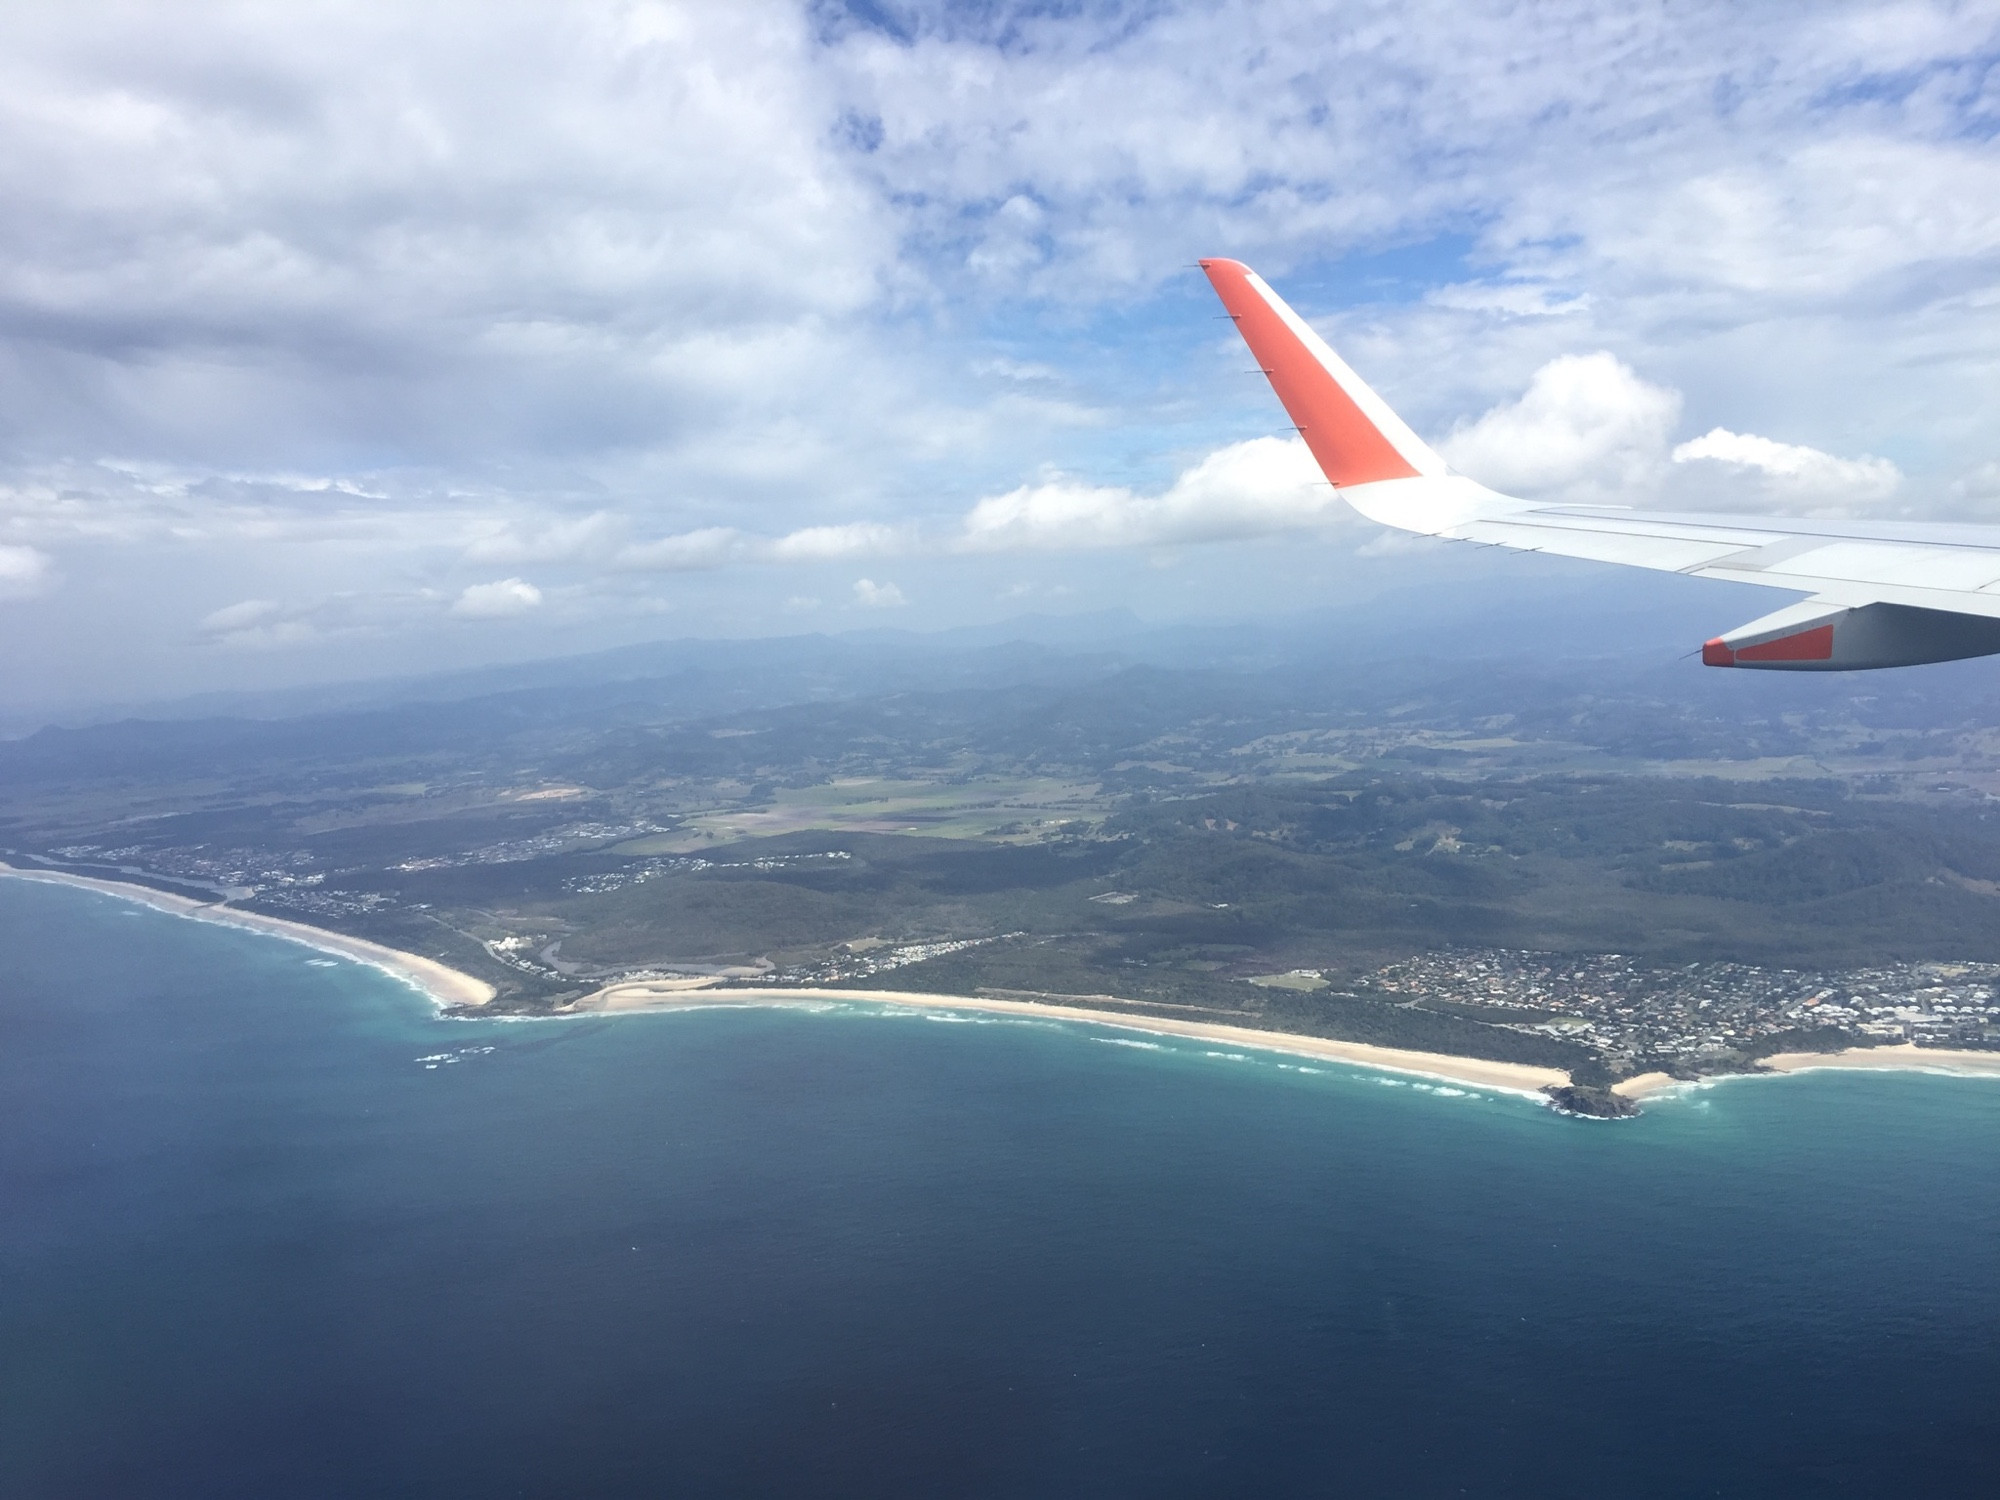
(345, 340)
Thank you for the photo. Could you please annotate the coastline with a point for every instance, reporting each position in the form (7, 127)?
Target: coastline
(1519, 1078)
(1903, 1058)
(450, 988)
(444, 985)
(1645, 1085)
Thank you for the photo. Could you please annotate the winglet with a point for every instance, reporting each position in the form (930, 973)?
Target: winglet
(1351, 431)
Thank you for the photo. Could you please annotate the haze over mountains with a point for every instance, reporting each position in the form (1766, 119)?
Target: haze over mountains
(1543, 638)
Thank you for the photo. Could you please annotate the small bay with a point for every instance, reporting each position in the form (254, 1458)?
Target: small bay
(270, 1227)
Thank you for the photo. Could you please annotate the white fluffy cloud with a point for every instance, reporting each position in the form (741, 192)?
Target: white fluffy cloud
(720, 546)
(1255, 488)
(497, 601)
(1795, 474)
(872, 595)
(1260, 487)
(262, 624)
(826, 543)
(1587, 427)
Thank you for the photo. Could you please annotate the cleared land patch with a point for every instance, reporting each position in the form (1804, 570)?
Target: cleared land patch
(998, 810)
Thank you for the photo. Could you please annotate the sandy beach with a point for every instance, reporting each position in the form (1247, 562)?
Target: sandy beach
(1904, 1059)
(1521, 1078)
(1641, 1084)
(446, 986)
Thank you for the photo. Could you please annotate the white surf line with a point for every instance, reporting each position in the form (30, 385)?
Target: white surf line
(1522, 1079)
(439, 983)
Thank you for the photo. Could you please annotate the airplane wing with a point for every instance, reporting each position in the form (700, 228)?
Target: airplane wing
(1880, 594)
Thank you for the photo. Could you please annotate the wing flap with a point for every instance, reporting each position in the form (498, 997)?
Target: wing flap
(1957, 569)
(1632, 548)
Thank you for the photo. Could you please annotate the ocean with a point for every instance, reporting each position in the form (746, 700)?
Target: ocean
(270, 1228)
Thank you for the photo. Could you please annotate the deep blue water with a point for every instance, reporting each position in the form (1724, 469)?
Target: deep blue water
(251, 1246)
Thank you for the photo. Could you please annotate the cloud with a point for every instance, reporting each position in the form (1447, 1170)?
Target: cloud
(1015, 592)
(266, 624)
(1015, 369)
(1586, 428)
(1253, 488)
(710, 547)
(1978, 489)
(1519, 299)
(825, 543)
(232, 618)
(355, 204)
(24, 572)
(1793, 472)
(261, 624)
(1714, 138)
(721, 546)
(1811, 225)
(497, 601)
(298, 300)
(563, 539)
(872, 595)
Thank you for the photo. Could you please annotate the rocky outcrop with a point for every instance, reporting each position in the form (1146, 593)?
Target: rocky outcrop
(1590, 1103)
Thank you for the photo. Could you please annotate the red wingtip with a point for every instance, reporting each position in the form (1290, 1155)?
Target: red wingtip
(1715, 654)
(1348, 446)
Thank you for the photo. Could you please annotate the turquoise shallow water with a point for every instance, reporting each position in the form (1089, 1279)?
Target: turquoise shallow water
(250, 1244)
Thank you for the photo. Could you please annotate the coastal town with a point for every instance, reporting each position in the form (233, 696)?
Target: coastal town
(1701, 1014)
(1688, 1019)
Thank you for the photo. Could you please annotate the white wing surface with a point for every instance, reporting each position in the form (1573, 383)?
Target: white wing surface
(1879, 594)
